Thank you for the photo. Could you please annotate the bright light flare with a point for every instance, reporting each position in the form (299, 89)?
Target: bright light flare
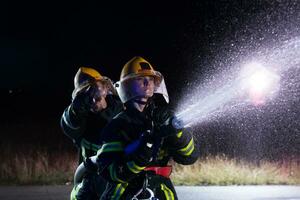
(259, 82)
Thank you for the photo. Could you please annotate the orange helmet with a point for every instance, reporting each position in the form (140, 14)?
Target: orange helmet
(87, 76)
(137, 67)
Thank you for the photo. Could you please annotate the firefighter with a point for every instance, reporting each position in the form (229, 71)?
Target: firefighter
(141, 140)
(94, 104)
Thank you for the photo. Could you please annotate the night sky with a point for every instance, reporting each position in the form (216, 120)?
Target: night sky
(42, 45)
(45, 44)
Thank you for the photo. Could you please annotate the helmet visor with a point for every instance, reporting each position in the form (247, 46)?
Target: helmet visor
(105, 81)
(125, 93)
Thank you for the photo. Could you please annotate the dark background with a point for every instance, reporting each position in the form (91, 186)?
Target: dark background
(43, 44)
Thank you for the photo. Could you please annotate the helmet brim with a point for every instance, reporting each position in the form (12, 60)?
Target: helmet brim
(125, 95)
(157, 76)
(104, 80)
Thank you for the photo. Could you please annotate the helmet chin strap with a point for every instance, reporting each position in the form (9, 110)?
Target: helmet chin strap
(140, 101)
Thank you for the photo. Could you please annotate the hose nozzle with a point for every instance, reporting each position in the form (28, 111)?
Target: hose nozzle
(177, 123)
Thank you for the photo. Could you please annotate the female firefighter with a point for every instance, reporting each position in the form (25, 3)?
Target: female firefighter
(94, 104)
(140, 141)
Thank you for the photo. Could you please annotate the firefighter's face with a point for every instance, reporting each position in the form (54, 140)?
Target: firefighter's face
(143, 86)
(99, 102)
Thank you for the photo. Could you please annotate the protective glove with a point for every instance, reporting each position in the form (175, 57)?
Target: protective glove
(170, 127)
(84, 100)
(166, 123)
(141, 149)
(161, 115)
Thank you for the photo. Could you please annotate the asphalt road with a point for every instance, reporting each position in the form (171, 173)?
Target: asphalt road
(184, 193)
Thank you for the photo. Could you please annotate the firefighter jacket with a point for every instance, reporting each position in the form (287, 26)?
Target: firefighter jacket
(84, 129)
(122, 160)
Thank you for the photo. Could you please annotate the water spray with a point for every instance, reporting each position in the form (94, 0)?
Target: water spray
(257, 83)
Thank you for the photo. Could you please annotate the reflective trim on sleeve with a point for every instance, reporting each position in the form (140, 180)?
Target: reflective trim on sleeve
(75, 191)
(188, 150)
(167, 191)
(68, 122)
(90, 146)
(72, 110)
(113, 174)
(111, 147)
(83, 152)
(119, 190)
(179, 134)
(134, 167)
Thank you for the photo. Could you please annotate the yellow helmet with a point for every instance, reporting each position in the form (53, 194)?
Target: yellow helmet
(87, 76)
(137, 67)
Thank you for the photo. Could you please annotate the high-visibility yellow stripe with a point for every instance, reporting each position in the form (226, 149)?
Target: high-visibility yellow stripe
(179, 134)
(167, 191)
(134, 167)
(83, 153)
(75, 191)
(95, 147)
(119, 190)
(111, 147)
(113, 174)
(188, 149)
(89, 145)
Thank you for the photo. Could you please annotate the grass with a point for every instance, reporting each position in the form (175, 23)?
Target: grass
(220, 170)
(38, 169)
(41, 167)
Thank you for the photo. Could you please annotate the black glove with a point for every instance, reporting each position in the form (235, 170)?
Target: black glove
(163, 120)
(168, 128)
(84, 100)
(161, 115)
(141, 150)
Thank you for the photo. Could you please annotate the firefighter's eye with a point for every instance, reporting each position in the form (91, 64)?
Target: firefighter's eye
(151, 78)
(139, 79)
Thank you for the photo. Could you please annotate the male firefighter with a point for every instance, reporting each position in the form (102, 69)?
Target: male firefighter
(94, 104)
(139, 142)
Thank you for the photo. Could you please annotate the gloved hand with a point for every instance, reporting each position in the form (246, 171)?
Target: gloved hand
(168, 128)
(164, 121)
(161, 115)
(84, 100)
(141, 149)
